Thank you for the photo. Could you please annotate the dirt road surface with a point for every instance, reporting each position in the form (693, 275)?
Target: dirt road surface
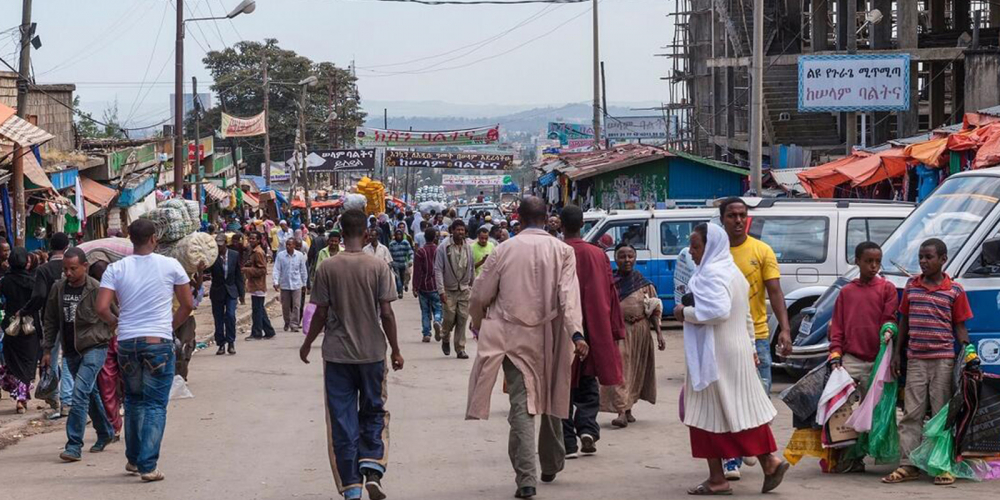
(255, 430)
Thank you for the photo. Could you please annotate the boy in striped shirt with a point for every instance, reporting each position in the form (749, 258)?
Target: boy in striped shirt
(933, 313)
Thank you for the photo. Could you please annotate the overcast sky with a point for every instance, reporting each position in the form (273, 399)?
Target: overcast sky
(513, 55)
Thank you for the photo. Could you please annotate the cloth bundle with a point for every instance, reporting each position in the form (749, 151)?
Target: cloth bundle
(838, 388)
(355, 202)
(875, 417)
(109, 250)
(196, 251)
(174, 219)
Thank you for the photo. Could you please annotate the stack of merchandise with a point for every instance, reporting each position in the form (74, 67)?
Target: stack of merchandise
(374, 193)
(431, 193)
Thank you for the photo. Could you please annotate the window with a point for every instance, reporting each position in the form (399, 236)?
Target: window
(860, 230)
(675, 235)
(632, 232)
(977, 269)
(795, 240)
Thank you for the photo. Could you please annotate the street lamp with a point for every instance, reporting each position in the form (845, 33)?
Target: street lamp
(244, 7)
(305, 83)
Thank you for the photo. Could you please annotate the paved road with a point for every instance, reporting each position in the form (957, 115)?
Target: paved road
(255, 430)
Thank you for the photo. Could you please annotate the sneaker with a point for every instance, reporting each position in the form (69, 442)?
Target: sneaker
(400, 296)
(69, 457)
(426, 339)
(587, 444)
(100, 445)
(732, 468)
(253, 337)
(131, 469)
(437, 331)
(572, 455)
(373, 484)
(153, 476)
(462, 355)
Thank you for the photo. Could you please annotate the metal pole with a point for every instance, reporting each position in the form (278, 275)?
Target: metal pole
(267, 129)
(864, 130)
(303, 169)
(196, 192)
(17, 170)
(757, 99)
(604, 103)
(597, 83)
(180, 159)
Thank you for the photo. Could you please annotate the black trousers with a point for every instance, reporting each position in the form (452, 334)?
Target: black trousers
(585, 402)
(261, 324)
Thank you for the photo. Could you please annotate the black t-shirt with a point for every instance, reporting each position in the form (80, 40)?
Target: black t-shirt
(71, 299)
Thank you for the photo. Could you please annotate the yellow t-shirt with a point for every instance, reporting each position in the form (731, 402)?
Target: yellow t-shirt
(758, 263)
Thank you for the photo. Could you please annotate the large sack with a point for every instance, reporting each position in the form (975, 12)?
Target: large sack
(107, 249)
(196, 251)
(427, 206)
(172, 224)
(355, 202)
(188, 212)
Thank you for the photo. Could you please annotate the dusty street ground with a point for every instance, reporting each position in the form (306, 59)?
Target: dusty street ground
(255, 430)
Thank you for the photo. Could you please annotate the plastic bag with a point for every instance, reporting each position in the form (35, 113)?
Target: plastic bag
(881, 442)
(936, 455)
(307, 316)
(803, 397)
(809, 443)
(179, 389)
(48, 386)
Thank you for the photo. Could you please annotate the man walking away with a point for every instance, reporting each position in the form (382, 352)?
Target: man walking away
(603, 325)
(227, 287)
(289, 279)
(46, 275)
(71, 315)
(145, 285)
(425, 285)
(256, 272)
(454, 271)
(526, 307)
(402, 256)
(353, 297)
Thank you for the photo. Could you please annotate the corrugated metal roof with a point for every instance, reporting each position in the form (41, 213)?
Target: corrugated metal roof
(788, 178)
(711, 163)
(990, 111)
(583, 165)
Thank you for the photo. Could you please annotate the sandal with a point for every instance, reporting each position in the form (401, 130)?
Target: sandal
(901, 475)
(620, 422)
(705, 489)
(22, 407)
(945, 479)
(774, 479)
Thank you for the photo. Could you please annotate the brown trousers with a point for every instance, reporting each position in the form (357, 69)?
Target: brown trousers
(928, 384)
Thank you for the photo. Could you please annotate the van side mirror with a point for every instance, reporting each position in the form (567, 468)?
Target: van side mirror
(990, 255)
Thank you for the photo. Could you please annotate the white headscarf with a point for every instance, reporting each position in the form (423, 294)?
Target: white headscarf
(712, 299)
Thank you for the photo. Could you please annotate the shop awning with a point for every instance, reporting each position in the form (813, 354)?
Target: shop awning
(820, 181)
(933, 153)
(859, 169)
(33, 171)
(250, 200)
(18, 130)
(96, 193)
(216, 193)
(318, 204)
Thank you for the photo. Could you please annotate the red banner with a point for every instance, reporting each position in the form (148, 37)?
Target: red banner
(242, 127)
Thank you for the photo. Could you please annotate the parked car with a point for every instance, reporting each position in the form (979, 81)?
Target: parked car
(464, 212)
(964, 213)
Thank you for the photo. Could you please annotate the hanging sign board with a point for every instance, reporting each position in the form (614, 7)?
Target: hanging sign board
(473, 180)
(870, 82)
(336, 160)
(472, 161)
(376, 137)
(635, 127)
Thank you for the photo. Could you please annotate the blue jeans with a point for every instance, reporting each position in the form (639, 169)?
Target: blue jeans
(147, 373)
(86, 399)
(61, 370)
(764, 369)
(224, 313)
(430, 310)
(358, 422)
(398, 270)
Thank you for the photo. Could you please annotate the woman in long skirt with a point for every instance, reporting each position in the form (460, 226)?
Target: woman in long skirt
(641, 310)
(726, 409)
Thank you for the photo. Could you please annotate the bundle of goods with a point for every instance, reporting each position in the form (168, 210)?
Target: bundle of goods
(355, 202)
(174, 219)
(426, 207)
(196, 251)
(107, 249)
(374, 193)
(430, 193)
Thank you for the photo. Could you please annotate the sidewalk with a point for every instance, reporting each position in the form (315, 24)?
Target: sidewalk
(14, 427)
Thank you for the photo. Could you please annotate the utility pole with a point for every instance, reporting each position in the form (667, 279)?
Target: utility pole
(17, 171)
(267, 129)
(180, 158)
(303, 168)
(851, 117)
(597, 83)
(196, 192)
(757, 100)
(604, 103)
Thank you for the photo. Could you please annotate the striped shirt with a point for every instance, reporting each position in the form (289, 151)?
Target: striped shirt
(932, 313)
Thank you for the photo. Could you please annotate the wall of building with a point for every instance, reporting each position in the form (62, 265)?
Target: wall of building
(44, 103)
(690, 180)
(982, 79)
(632, 187)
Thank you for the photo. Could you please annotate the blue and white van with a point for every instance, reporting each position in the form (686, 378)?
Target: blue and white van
(965, 214)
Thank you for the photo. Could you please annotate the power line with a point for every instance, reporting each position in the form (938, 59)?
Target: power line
(211, 14)
(107, 36)
(149, 63)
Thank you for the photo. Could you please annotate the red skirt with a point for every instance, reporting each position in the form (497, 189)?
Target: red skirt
(748, 443)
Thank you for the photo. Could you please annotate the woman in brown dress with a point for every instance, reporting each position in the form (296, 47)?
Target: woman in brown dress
(641, 310)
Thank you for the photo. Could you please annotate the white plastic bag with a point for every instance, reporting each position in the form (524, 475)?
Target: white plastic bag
(179, 389)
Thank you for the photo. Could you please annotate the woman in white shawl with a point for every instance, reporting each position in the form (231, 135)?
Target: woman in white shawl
(725, 407)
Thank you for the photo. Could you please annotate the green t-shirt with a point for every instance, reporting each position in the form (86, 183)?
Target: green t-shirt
(480, 252)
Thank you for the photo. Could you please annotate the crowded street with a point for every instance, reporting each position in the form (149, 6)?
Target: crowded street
(254, 430)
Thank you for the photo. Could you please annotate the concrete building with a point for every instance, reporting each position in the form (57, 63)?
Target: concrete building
(51, 104)
(954, 66)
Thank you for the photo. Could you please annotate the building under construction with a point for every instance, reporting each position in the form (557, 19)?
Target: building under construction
(955, 65)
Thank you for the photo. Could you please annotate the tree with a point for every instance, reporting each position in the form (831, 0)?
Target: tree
(238, 75)
(88, 128)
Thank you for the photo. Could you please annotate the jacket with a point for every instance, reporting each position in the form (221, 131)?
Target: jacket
(226, 285)
(255, 271)
(446, 276)
(91, 330)
(423, 269)
(46, 275)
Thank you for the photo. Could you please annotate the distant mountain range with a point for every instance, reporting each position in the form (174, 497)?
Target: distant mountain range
(526, 119)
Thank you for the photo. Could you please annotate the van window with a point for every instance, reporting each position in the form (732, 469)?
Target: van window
(977, 269)
(795, 240)
(633, 232)
(675, 235)
(861, 229)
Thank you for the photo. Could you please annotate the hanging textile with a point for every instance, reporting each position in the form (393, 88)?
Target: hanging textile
(8, 220)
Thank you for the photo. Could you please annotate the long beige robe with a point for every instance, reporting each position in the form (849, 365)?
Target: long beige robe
(526, 304)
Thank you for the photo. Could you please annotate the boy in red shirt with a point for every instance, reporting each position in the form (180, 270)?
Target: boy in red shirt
(863, 306)
(933, 313)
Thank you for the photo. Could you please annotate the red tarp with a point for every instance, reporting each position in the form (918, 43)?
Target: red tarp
(933, 153)
(318, 204)
(860, 169)
(820, 181)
